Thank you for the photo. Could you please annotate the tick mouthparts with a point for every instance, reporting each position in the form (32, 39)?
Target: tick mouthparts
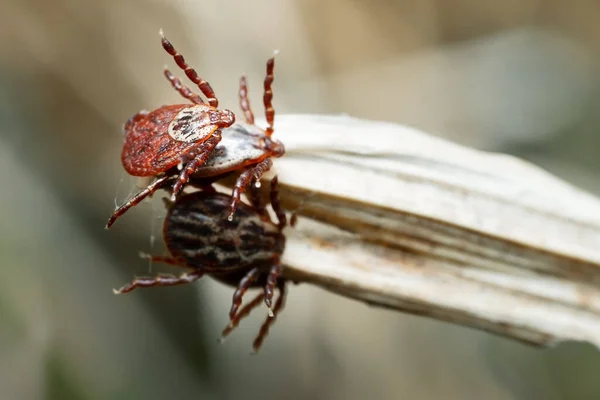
(227, 116)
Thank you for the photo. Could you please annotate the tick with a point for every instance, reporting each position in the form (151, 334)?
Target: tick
(243, 252)
(183, 135)
(244, 147)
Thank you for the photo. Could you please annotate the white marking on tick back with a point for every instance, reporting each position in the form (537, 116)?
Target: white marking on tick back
(192, 124)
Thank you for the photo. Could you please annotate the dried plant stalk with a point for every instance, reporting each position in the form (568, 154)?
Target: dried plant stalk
(400, 219)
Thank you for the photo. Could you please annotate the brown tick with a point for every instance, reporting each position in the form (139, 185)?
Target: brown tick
(243, 252)
(183, 135)
(244, 146)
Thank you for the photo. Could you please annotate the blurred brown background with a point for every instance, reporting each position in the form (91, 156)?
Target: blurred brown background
(512, 76)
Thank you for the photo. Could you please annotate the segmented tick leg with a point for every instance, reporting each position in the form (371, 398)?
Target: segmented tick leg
(204, 152)
(137, 199)
(259, 169)
(240, 185)
(244, 102)
(274, 274)
(276, 204)
(241, 289)
(294, 219)
(244, 312)
(189, 71)
(255, 197)
(264, 329)
(268, 96)
(182, 89)
(252, 173)
(160, 280)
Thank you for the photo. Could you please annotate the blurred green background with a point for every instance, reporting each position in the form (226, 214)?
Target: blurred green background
(512, 76)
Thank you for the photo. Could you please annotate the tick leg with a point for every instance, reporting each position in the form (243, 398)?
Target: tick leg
(244, 312)
(191, 73)
(256, 172)
(257, 202)
(244, 102)
(259, 169)
(204, 152)
(182, 89)
(242, 287)
(268, 96)
(160, 280)
(276, 204)
(238, 189)
(137, 199)
(264, 329)
(274, 274)
(294, 219)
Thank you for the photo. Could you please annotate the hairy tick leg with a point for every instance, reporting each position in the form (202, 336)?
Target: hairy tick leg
(264, 329)
(241, 289)
(272, 278)
(243, 313)
(160, 280)
(137, 199)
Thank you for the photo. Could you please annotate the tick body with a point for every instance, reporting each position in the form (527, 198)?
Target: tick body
(196, 232)
(244, 252)
(242, 147)
(157, 141)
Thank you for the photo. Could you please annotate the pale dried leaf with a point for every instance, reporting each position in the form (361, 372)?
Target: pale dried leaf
(413, 222)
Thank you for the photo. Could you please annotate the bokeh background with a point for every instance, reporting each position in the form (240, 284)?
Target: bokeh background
(514, 76)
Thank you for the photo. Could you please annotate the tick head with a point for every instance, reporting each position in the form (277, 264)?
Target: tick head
(223, 118)
(275, 147)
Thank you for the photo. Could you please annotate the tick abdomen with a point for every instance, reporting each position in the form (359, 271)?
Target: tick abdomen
(197, 230)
